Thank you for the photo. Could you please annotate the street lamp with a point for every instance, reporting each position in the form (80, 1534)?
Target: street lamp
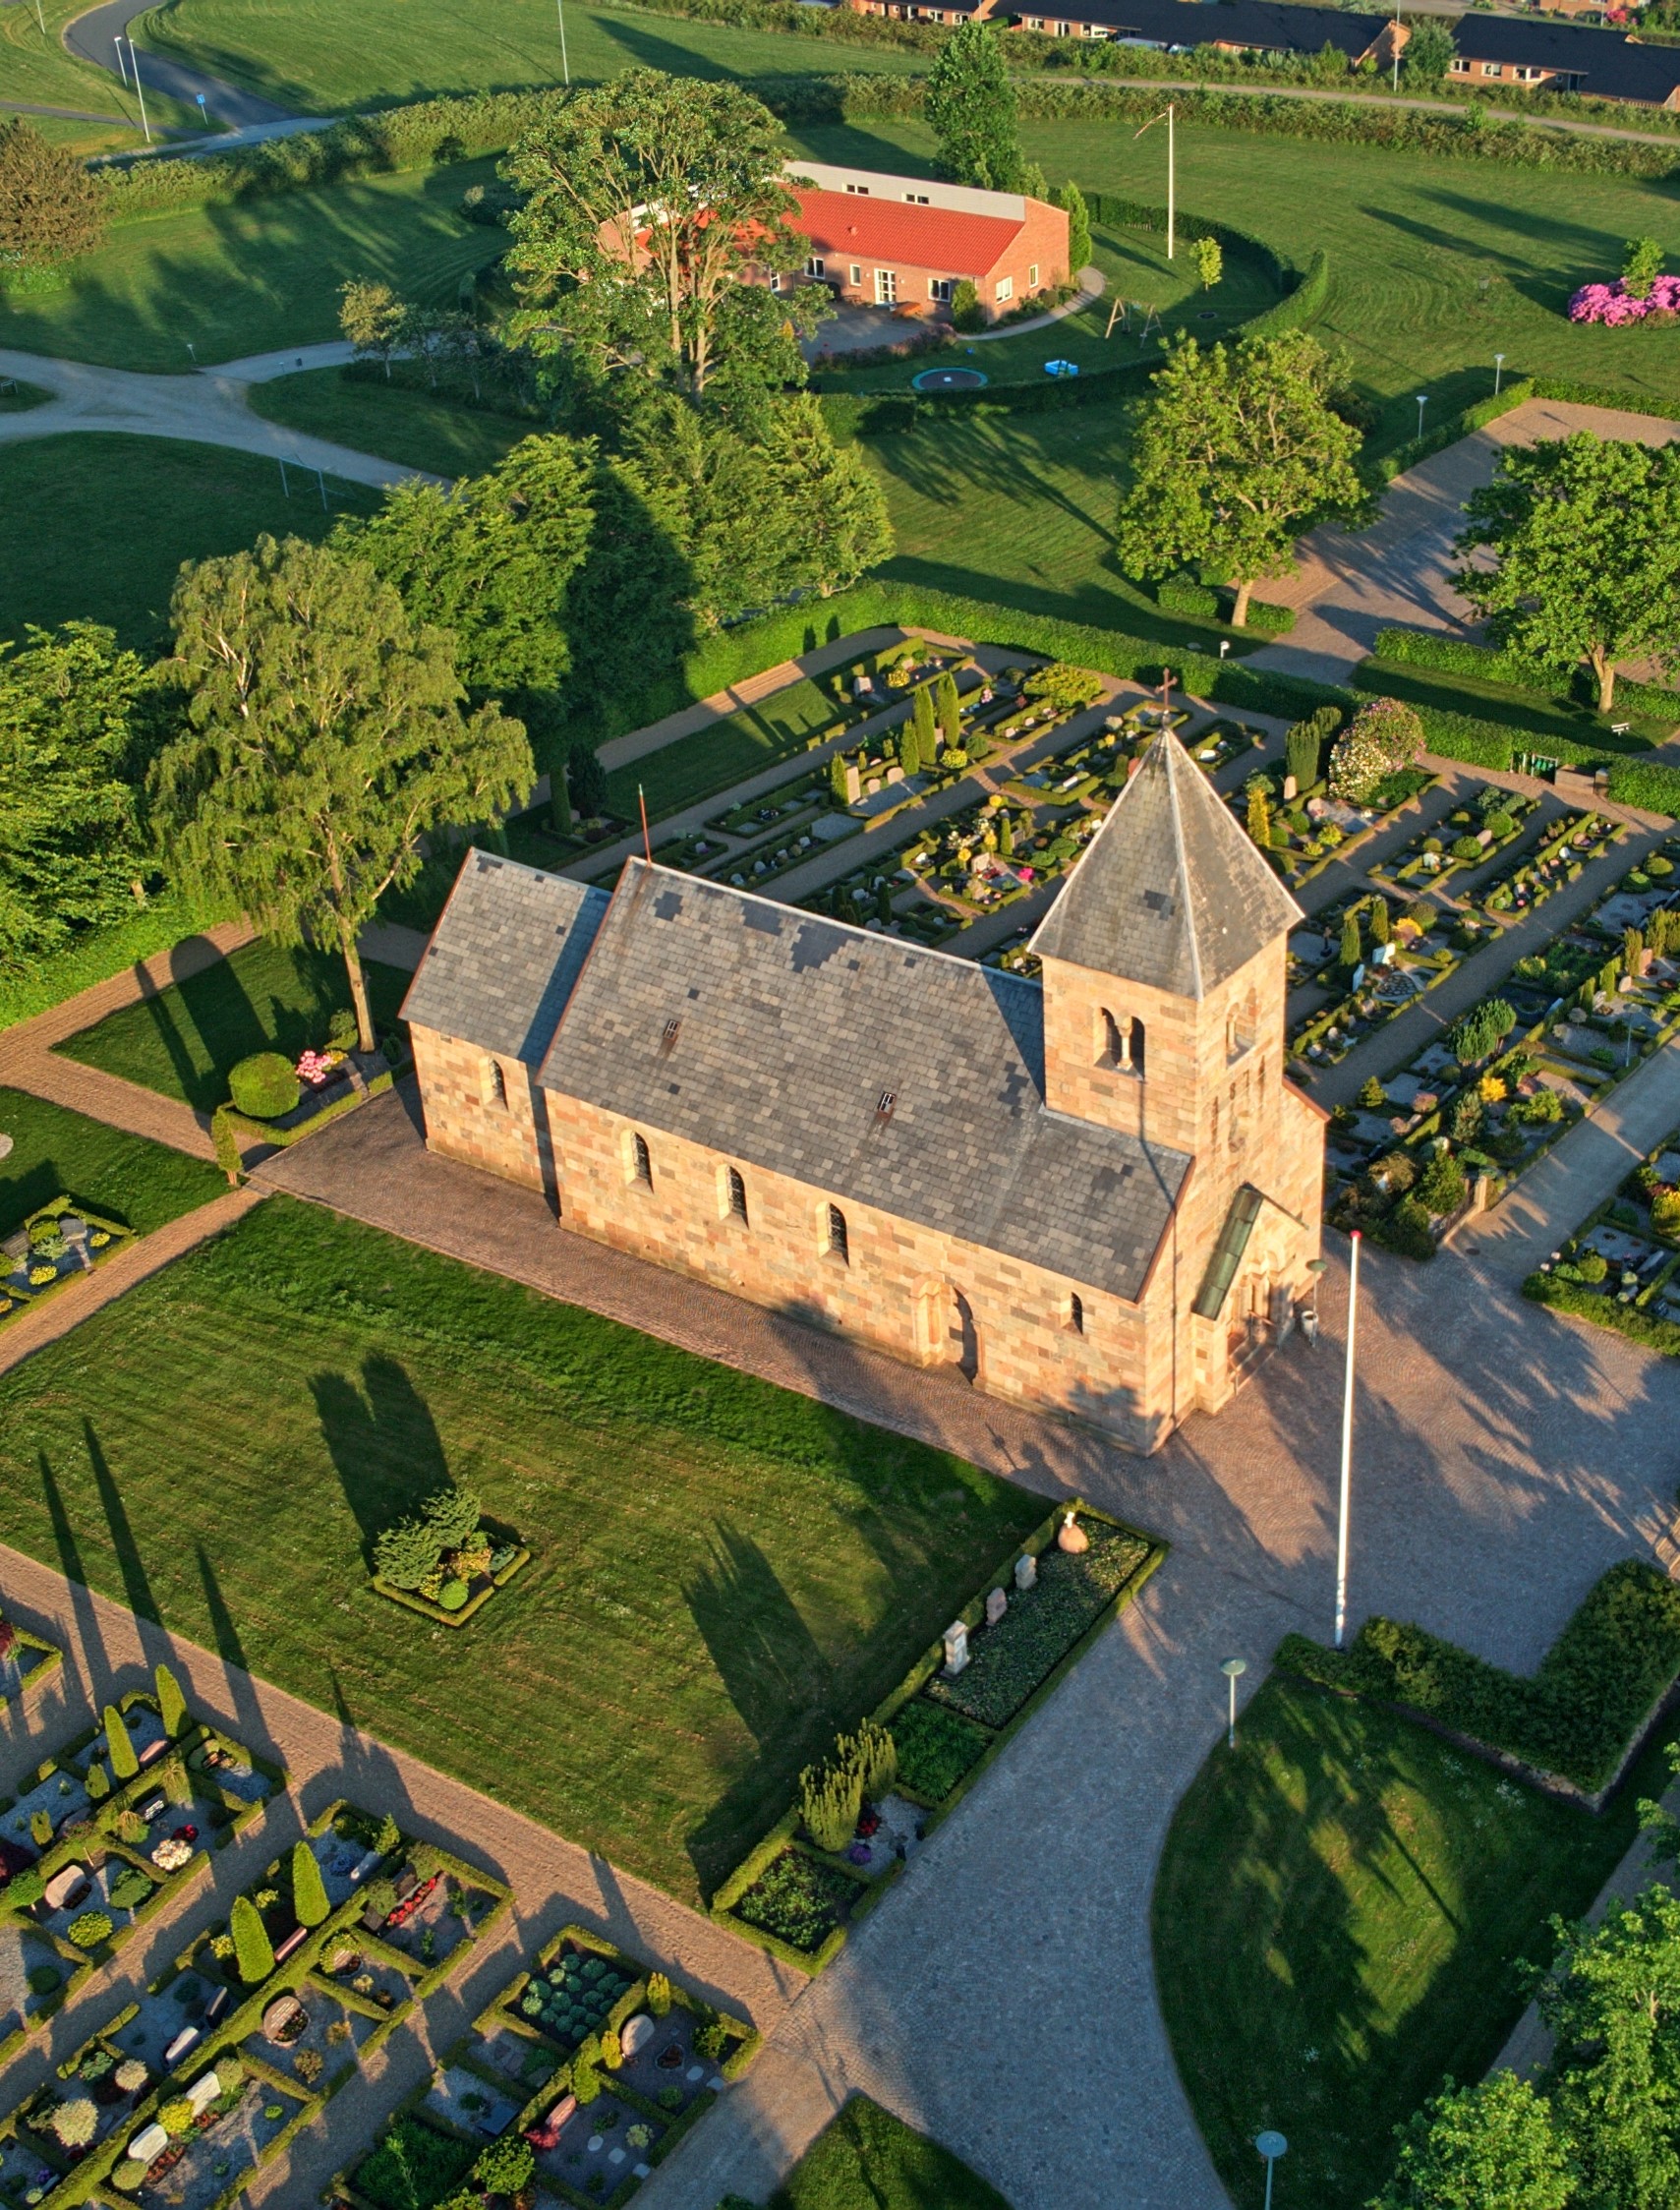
(1498, 372)
(565, 65)
(1423, 402)
(1224, 646)
(1166, 116)
(1271, 2146)
(1233, 1668)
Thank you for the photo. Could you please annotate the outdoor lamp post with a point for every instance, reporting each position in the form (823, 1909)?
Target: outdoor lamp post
(1224, 646)
(565, 65)
(1233, 1668)
(1423, 402)
(1271, 2146)
(1498, 372)
(1166, 116)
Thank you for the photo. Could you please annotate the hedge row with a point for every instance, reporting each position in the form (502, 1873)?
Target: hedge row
(1604, 1312)
(101, 953)
(1430, 648)
(1647, 784)
(1578, 1715)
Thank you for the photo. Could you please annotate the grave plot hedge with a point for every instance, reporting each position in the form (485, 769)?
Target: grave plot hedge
(1576, 1719)
(1012, 1659)
(414, 2168)
(800, 1900)
(937, 1748)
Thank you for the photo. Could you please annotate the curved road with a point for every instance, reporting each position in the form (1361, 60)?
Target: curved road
(93, 36)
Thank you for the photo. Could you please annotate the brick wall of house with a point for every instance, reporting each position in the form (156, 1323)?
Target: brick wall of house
(469, 1118)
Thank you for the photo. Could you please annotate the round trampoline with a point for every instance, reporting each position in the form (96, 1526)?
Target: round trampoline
(947, 380)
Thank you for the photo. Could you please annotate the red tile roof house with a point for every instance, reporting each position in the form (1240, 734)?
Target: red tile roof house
(907, 242)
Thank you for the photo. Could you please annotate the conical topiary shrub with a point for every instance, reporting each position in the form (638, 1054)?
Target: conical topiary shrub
(125, 1761)
(308, 1893)
(253, 1952)
(171, 1704)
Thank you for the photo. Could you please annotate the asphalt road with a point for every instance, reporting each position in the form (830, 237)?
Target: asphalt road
(94, 37)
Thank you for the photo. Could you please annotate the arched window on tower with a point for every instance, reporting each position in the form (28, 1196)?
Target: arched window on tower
(737, 1194)
(1120, 1042)
(1241, 1025)
(641, 1161)
(1077, 1312)
(839, 1242)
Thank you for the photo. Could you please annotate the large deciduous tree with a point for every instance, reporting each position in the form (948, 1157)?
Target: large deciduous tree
(1493, 2146)
(50, 208)
(647, 200)
(327, 736)
(74, 719)
(1584, 532)
(1237, 454)
(970, 108)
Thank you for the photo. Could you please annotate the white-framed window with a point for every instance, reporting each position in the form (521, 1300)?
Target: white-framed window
(1006, 288)
(816, 265)
(1064, 30)
(856, 276)
(941, 287)
(917, 199)
(886, 287)
(1035, 23)
(1032, 275)
(1460, 67)
(1529, 76)
(774, 280)
(858, 191)
(1490, 69)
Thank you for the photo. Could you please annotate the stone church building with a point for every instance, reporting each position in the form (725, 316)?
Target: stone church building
(1094, 1193)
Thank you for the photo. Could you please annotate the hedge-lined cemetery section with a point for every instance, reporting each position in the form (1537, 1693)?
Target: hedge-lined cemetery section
(736, 1571)
(1618, 1267)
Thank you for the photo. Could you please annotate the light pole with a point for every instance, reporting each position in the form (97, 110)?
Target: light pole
(1346, 1447)
(1423, 402)
(1271, 2146)
(140, 92)
(1233, 1668)
(1498, 372)
(203, 112)
(1166, 116)
(566, 66)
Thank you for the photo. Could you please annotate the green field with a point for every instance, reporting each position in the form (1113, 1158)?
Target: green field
(723, 1572)
(412, 427)
(1337, 1920)
(57, 1153)
(97, 527)
(866, 2159)
(263, 997)
(37, 68)
(254, 277)
(725, 753)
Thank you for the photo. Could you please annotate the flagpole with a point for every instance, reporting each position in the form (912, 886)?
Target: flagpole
(1347, 1447)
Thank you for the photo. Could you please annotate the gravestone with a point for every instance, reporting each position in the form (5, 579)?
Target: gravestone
(1026, 1572)
(955, 1648)
(1071, 1537)
(996, 1603)
(1289, 789)
(637, 2033)
(853, 784)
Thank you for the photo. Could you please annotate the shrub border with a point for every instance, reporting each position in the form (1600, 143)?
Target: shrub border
(412, 1602)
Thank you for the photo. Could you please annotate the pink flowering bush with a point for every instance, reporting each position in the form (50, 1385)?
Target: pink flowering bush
(315, 1067)
(1614, 305)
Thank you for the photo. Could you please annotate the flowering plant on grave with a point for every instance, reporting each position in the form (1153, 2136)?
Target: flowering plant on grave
(313, 1067)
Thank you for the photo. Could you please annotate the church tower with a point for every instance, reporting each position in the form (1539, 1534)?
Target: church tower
(1165, 977)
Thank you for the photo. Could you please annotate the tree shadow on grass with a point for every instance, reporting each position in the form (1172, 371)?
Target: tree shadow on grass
(383, 1443)
(137, 1585)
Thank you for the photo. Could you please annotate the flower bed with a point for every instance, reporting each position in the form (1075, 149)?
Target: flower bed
(1615, 305)
(1564, 849)
(1311, 829)
(448, 1561)
(57, 1245)
(1621, 1266)
(798, 1900)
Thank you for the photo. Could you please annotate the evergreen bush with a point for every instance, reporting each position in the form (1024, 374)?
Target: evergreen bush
(253, 1952)
(264, 1085)
(830, 1797)
(171, 1704)
(310, 1905)
(125, 1760)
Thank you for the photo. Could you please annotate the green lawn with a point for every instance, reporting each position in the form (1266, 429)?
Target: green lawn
(726, 753)
(412, 427)
(265, 997)
(59, 1153)
(1530, 711)
(37, 66)
(723, 1572)
(314, 54)
(18, 398)
(1336, 1917)
(866, 2159)
(97, 526)
(256, 275)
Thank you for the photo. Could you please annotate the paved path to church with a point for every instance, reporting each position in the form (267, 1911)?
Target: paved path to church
(108, 1650)
(1398, 574)
(1002, 1995)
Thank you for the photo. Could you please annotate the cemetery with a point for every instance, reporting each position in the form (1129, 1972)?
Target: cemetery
(1364, 969)
(1619, 1267)
(1470, 836)
(574, 2082)
(107, 1835)
(1292, 813)
(862, 1814)
(448, 1560)
(26, 1661)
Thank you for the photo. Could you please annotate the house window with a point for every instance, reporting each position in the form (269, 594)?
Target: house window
(1120, 1042)
(858, 191)
(856, 276)
(816, 265)
(941, 287)
(492, 1084)
(838, 1244)
(1035, 23)
(1032, 275)
(1529, 76)
(1490, 69)
(1077, 1313)
(641, 1161)
(917, 199)
(1006, 289)
(775, 281)
(1460, 67)
(735, 1190)
(886, 287)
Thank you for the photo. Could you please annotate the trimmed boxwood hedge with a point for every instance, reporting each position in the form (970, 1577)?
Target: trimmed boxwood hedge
(1580, 1302)
(1576, 1717)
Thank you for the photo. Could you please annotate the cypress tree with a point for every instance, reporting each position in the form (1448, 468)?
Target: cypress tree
(560, 803)
(1071, 201)
(837, 777)
(171, 1704)
(921, 720)
(253, 1952)
(1352, 948)
(309, 1893)
(125, 1763)
(1261, 815)
(1380, 923)
(1006, 837)
(884, 903)
(949, 709)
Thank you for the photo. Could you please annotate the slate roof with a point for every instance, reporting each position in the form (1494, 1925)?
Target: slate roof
(1607, 62)
(772, 1036)
(1169, 891)
(504, 955)
(847, 226)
